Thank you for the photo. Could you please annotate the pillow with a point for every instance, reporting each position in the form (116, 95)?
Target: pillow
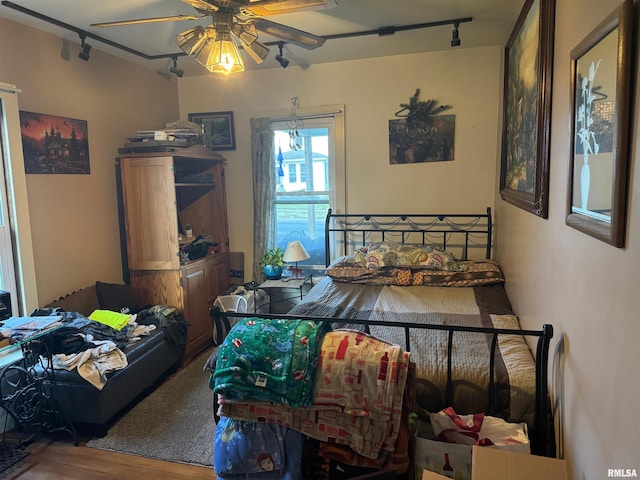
(393, 254)
(116, 297)
(346, 269)
(476, 273)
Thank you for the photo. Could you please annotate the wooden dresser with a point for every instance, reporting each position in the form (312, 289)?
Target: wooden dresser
(161, 193)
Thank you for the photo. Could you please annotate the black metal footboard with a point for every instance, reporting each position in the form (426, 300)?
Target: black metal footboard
(540, 433)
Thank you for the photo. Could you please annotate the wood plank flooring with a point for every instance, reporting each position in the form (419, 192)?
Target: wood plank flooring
(60, 459)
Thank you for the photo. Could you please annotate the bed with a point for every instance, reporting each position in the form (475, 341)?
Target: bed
(427, 282)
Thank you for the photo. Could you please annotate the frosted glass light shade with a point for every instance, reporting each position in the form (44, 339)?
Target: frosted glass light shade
(224, 56)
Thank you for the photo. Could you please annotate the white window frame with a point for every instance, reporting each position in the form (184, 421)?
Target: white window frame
(16, 249)
(333, 116)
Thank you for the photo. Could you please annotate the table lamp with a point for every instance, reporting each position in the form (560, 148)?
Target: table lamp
(295, 252)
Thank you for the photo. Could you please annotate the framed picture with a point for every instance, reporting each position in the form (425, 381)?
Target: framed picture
(217, 129)
(599, 155)
(524, 173)
(53, 144)
(434, 143)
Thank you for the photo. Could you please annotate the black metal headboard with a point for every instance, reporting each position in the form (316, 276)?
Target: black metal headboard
(467, 236)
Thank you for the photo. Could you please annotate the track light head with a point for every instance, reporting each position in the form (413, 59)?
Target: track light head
(177, 71)
(86, 48)
(455, 39)
(284, 63)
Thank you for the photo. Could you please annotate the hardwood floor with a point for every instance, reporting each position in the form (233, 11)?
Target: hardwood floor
(60, 459)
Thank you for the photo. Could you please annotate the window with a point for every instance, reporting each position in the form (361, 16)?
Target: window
(10, 157)
(309, 181)
(17, 270)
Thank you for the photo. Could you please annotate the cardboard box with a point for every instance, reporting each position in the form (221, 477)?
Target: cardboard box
(496, 464)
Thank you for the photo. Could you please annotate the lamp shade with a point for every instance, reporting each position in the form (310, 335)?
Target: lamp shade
(295, 252)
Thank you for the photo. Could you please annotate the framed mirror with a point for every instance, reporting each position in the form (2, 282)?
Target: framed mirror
(600, 98)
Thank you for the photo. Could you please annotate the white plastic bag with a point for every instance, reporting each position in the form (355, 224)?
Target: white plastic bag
(445, 445)
(479, 429)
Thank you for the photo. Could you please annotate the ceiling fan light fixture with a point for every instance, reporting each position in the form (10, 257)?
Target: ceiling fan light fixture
(246, 32)
(190, 41)
(221, 55)
(257, 51)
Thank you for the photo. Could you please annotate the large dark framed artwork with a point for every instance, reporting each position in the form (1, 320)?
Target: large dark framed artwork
(599, 154)
(217, 129)
(524, 173)
(53, 144)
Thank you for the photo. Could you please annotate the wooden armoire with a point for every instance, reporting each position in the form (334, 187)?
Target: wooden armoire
(160, 194)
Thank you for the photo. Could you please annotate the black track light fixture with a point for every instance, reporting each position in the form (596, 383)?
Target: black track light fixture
(455, 39)
(284, 63)
(178, 71)
(86, 48)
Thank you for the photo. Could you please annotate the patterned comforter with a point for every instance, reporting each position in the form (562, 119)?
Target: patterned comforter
(478, 306)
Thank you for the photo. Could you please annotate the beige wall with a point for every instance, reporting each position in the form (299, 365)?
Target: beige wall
(74, 220)
(587, 289)
(371, 90)
(555, 274)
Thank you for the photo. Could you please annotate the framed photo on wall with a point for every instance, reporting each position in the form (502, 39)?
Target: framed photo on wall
(601, 67)
(54, 145)
(524, 173)
(217, 129)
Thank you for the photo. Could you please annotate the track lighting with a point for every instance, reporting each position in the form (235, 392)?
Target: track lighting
(178, 71)
(455, 40)
(86, 48)
(284, 63)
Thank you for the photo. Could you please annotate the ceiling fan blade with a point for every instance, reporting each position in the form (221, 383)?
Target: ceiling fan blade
(201, 5)
(289, 34)
(147, 20)
(277, 7)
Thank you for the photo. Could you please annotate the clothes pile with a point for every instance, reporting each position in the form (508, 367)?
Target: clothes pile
(95, 345)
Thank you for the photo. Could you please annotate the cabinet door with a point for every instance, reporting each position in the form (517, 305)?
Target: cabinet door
(149, 200)
(196, 308)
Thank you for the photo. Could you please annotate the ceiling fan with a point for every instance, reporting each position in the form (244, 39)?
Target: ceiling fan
(213, 46)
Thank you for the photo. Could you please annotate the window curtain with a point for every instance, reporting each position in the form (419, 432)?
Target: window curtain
(264, 178)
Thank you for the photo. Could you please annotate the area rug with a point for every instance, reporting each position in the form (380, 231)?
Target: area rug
(174, 423)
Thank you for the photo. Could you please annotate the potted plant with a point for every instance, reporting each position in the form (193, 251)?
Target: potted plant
(272, 262)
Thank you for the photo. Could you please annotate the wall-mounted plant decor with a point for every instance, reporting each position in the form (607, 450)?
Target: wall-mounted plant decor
(421, 134)
(524, 177)
(598, 162)
(52, 144)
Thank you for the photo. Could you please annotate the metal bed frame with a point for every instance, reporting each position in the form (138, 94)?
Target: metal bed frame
(443, 231)
(457, 232)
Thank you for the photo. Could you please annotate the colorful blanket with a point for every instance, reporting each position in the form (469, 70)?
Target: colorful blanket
(269, 360)
(357, 397)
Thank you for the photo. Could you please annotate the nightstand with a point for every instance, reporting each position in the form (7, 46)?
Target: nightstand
(289, 290)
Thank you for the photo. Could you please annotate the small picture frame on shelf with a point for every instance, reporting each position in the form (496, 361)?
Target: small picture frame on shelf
(217, 129)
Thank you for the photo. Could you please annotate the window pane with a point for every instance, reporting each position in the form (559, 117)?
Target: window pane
(303, 193)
